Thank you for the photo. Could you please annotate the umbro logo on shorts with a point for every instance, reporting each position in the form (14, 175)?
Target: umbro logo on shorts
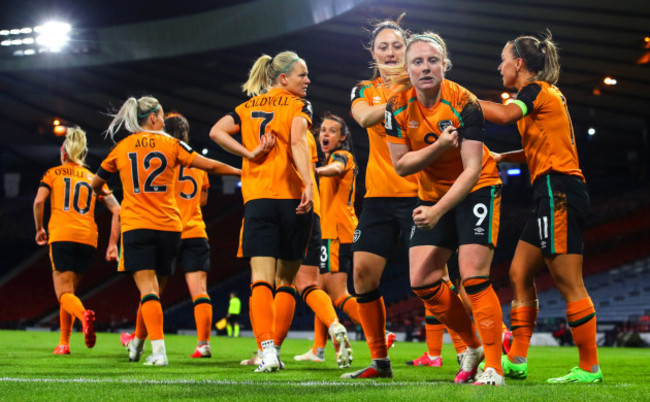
(357, 234)
(479, 231)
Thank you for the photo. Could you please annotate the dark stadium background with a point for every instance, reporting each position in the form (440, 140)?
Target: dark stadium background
(194, 55)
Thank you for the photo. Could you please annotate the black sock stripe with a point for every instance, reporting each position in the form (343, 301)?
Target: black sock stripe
(435, 288)
(148, 298)
(202, 300)
(479, 287)
(262, 283)
(431, 320)
(307, 291)
(287, 289)
(581, 321)
(369, 297)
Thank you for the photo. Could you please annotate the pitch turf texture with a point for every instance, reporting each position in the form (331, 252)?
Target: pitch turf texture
(29, 371)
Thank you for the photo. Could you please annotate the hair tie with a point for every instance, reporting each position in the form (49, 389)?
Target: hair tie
(516, 49)
(428, 37)
(286, 68)
(143, 115)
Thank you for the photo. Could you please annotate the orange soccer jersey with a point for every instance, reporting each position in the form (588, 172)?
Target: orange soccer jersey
(313, 150)
(72, 204)
(381, 178)
(147, 165)
(408, 122)
(338, 219)
(275, 176)
(190, 183)
(547, 131)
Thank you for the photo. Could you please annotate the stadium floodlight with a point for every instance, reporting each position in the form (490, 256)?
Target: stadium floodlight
(514, 172)
(591, 131)
(204, 151)
(53, 35)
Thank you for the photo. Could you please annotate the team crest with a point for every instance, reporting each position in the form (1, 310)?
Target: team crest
(443, 124)
(412, 231)
(357, 234)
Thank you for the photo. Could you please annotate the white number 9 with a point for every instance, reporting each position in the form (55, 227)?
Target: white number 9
(480, 211)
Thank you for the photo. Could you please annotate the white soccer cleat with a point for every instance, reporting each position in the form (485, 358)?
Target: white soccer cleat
(489, 377)
(270, 362)
(135, 352)
(159, 359)
(342, 344)
(469, 364)
(309, 356)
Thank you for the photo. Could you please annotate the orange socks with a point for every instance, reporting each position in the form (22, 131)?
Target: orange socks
(72, 305)
(372, 312)
(250, 315)
(203, 317)
(582, 320)
(448, 309)
(140, 328)
(262, 310)
(348, 304)
(66, 321)
(152, 315)
(320, 335)
(320, 303)
(523, 317)
(487, 314)
(434, 330)
(459, 344)
(285, 305)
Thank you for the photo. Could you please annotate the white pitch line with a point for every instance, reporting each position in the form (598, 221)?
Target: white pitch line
(216, 382)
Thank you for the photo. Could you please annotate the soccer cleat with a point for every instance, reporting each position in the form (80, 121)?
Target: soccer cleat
(253, 361)
(202, 351)
(88, 328)
(125, 338)
(342, 345)
(372, 371)
(135, 352)
(516, 371)
(489, 377)
(469, 364)
(578, 375)
(425, 360)
(309, 356)
(390, 339)
(269, 361)
(62, 350)
(506, 342)
(159, 359)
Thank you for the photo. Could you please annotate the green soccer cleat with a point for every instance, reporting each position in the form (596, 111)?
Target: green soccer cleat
(510, 369)
(578, 375)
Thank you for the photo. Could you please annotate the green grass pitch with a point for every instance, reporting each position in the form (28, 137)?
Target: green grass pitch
(29, 371)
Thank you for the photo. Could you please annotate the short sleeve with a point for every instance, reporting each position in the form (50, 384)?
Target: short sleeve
(186, 154)
(359, 93)
(341, 157)
(305, 111)
(236, 118)
(473, 123)
(527, 96)
(394, 131)
(108, 166)
(47, 181)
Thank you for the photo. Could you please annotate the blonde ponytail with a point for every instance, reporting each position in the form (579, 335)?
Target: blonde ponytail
(266, 71)
(75, 145)
(132, 113)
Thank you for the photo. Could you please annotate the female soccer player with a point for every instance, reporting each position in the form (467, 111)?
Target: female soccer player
(72, 232)
(307, 284)
(146, 160)
(553, 233)
(435, 127)
(385, 220)
(277, 187)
